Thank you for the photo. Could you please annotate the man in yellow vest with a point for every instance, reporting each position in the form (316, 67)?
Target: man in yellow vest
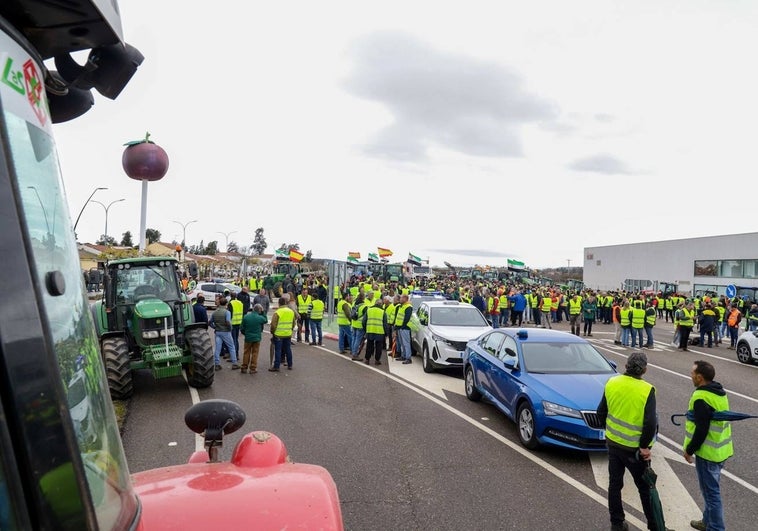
(709, 440)
(282, 324)
(575, 313)
(237, 310)
(403, 314)
(627, 410)
(304, 301)
(344, 309)
(374, 323)
(356, 322)
(315, 318)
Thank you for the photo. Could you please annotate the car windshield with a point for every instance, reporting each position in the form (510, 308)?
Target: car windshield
(456, 316)
(564, 358)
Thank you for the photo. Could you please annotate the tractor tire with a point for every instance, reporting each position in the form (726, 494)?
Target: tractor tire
(278, 290)
(201, 371)
(117, 367)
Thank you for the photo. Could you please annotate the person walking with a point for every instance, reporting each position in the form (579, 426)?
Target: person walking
(316, 317)
(344, 310)
(575, 313)
(402, 328)
(708, 442)
(282, 324)
(589, 313)
(252, 331)
(221, 322)
(733, 325)
(628, 412)
(374, 323)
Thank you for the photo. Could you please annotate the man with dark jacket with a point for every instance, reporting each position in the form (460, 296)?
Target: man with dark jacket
(627, 410)
(710, 441)
(707, 321)
(244, 297)
(199, 310)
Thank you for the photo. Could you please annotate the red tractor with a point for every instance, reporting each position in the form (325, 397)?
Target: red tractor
(62, 464)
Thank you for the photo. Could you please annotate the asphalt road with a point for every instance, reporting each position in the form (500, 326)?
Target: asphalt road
(408, 451)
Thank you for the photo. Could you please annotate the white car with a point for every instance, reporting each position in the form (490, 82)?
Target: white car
(444, 329)
(747, 347)
(211, 290)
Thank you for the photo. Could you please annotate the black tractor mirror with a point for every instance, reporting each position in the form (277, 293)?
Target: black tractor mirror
(214, 419)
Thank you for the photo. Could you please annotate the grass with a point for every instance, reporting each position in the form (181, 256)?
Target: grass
(120, 407)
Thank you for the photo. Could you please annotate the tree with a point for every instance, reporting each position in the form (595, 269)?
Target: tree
(152, 236)
(110, 241)
(259, 242)
(212, 248)
(126, 239)
(308, 256)
(232, 247)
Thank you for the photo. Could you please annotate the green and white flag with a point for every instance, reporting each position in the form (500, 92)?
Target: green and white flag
(352, 260)
(515, 264)
(413, 259)
(282, 254)
(373, 257)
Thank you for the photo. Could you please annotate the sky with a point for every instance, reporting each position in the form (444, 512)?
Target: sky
(467, 132)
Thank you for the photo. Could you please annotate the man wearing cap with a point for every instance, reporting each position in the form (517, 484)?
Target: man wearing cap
(627, 410)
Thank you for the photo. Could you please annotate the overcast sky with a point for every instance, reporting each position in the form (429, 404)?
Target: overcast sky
(468, 132)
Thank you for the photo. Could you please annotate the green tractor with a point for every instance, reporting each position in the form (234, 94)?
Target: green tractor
(282, 269)
(144, 321)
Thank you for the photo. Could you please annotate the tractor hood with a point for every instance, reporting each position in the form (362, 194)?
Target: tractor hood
(259, 489)
(152, 308)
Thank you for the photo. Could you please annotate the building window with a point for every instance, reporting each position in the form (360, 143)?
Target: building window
(705, 268)
(750, 268)
(730, 268)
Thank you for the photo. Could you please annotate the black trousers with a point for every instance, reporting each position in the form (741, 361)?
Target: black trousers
(619, 461)
(684, 336)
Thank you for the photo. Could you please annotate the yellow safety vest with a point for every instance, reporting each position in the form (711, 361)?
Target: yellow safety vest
(626, 317)
(285, 323)
(626, 397)
(317, 313)
(342, 319)
(638, 318)
(303, 304)
(236, 312)
(717, 446)
(375, 320)
(575, 308)
(688, 320)
(358, 323)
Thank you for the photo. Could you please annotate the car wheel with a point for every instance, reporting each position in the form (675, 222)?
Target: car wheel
(526, 426)
(472, 393)
(426, 360)
(743, 352)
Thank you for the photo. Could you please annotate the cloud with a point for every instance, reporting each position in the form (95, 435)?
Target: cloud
(441, 99)
(600, 163)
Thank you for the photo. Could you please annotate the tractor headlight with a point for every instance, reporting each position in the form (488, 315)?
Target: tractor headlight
(150, 334)
(167, 332)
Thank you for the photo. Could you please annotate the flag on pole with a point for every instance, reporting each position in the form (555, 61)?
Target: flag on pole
(515, 264)
(352, 259)
(372, 257)
(354, 254)
(296, 256)
(281, 254)
(413, 259)
(384, 252)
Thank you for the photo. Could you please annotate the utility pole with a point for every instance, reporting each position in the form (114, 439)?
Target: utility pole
(226, 235)
(569, 262)
(105, 234)
(184, 229)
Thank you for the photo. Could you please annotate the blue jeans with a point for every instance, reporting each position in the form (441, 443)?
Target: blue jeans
(649, 334)
(345, 337)
(236, 337)
(625, 335)
(636, 334)
(504, 316)
(282, 346)
(316, 327)
(708, 476)
(404, 340)
(494, 320)
(355, 345)
(224, 338)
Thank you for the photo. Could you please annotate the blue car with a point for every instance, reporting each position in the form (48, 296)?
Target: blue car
(548, 382)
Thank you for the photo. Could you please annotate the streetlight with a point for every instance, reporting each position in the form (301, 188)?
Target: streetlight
(184, 229)
(105, 234)
(226, 235)
(85, 204)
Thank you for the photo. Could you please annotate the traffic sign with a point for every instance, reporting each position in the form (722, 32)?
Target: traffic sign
(731, 290)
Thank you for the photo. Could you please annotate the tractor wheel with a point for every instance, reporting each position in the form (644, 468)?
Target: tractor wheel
(278, 289)
(201, 371)
(117, 367)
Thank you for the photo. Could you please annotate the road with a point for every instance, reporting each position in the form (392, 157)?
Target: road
(407, 450)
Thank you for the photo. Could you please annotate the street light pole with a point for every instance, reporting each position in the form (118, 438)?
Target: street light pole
(184, 229)
(85, 205)
(226, 235)
(105, 234)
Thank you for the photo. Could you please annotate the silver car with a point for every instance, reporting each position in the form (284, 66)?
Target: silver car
(211, 291)
(444, 329)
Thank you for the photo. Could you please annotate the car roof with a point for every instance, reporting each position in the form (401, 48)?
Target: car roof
(541, 335)
(448, 304)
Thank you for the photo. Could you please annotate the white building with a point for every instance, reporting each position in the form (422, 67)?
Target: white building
(696, 265)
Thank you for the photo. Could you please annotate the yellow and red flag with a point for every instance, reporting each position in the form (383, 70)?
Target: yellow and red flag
(354, 254)
(383, 253)
(296, 256)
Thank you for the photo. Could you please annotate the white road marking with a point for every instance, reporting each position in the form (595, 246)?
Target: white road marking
(436, 383)
(195, 397)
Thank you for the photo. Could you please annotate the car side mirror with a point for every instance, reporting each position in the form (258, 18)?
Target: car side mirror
(509, 363)
(423, 320)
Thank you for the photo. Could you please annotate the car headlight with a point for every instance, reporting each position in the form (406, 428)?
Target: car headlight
(150, 334)
(553, 409)
(168, 332)
(441, 339)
